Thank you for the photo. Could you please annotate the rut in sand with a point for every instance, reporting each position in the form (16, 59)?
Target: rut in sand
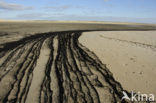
(54, 68)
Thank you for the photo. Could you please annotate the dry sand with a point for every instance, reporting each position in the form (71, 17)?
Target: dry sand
(129, 55)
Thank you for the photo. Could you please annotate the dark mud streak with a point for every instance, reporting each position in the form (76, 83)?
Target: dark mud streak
(58, 68)
(6, 99)
(80, 56)
(23, 71)
(35, 56)
(64, 60)
(11, 55)
(98, 64)
(74, 83)
(47, 79)
(80, 72)
(76, 67)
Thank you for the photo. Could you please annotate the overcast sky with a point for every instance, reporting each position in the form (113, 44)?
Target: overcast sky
(92, 10)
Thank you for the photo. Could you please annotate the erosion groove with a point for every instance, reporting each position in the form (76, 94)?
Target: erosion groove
(54, 68)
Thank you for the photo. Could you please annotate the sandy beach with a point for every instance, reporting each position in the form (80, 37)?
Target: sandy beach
(129, 55)
(61, 62)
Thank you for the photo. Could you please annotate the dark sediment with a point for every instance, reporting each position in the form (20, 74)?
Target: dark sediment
(54, 68)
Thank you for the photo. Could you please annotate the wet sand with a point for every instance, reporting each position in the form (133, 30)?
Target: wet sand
(44, 62)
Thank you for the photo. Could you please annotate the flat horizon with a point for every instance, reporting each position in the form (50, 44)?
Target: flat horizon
(137, 11)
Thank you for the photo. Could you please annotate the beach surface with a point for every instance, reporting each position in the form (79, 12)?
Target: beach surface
(82, 62)
(129, 55)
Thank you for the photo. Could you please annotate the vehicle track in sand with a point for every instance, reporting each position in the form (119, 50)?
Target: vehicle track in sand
(54, 68)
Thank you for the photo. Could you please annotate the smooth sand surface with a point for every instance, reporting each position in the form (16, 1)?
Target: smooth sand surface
(129, 55)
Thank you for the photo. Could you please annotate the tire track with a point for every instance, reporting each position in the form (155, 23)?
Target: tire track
(55, 68)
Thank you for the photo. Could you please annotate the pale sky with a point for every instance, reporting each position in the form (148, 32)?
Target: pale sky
(143, 11)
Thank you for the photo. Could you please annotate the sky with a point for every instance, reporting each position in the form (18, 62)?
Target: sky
(143, 11)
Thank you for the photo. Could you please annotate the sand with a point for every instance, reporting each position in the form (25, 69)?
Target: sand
(129, 55)
(44, 62)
